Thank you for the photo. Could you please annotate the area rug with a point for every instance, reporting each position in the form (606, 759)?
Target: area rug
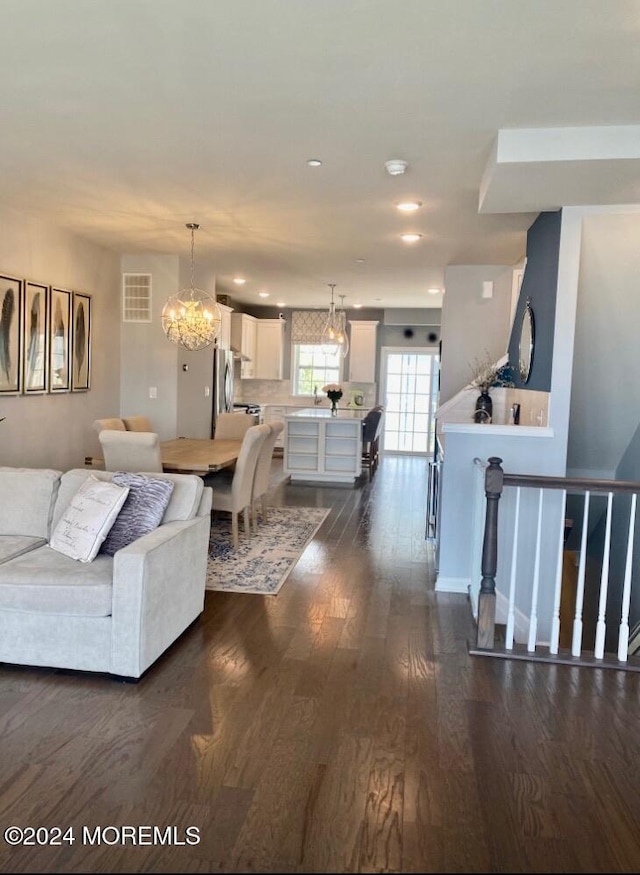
(262, 563)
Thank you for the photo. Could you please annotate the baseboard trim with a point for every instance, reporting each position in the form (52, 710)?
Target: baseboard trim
(453, 584)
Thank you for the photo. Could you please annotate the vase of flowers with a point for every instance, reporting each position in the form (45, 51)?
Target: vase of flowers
(333, 392)
(487, 375)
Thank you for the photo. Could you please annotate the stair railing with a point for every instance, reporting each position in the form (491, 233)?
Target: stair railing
(535, 648)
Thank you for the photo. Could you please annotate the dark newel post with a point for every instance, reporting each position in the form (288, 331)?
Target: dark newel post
(487, 598)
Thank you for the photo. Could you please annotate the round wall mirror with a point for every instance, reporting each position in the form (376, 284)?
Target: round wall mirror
(527, 340)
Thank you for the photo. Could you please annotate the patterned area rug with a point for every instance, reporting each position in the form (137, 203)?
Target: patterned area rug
(262, 563)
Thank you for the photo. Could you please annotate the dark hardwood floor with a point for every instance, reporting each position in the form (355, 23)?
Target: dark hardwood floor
(340, 726)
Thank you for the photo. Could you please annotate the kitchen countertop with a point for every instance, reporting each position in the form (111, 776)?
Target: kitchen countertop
(325, 413)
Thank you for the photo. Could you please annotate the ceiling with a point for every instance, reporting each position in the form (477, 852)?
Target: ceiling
(122, 120)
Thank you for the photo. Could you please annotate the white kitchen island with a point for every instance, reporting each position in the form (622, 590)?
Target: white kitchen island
(320, 447)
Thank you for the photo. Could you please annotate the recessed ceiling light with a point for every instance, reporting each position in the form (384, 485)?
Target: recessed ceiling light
(314, 162)
(359, 260)
(281, 303)
(434, 291)
(411, 238)
(239, 280)
(263, 294)
(409, 206)
(357, 306)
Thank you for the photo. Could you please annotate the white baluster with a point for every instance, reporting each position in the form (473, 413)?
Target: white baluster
(576, 643)
(555, 620)
(511, 613)
(533, 624)
(623, 634)
(601, 625)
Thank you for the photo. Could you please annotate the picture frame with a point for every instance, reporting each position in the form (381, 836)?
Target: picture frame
(35, 338)
(11, 305)
(60, 340)
(81, 343)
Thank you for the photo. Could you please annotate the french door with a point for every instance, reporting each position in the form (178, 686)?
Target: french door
(410, 396)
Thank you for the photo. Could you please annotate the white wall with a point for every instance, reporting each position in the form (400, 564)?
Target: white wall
(147, 358)
(56, 430)
(473, 326)
(605, 392)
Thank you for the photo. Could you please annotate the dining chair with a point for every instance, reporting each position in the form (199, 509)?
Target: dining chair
(371, 430)
(263, 473)
(232, 426)
(112, 424)
(137, 423)
(234, 494)
(130, 451)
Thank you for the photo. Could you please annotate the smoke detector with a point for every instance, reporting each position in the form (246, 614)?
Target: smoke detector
(395, 167)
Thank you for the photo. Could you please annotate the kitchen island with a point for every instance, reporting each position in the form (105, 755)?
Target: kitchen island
(322, 447)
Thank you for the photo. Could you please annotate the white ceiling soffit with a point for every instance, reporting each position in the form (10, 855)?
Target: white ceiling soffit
(535, 169)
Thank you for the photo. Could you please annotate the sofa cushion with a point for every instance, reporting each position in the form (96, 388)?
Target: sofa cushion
(87, 519)
(142, 511)
(27, 498)
(183, 504)
(47, 582)
(16, 545)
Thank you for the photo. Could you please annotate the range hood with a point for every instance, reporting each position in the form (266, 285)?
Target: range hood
(239, 356)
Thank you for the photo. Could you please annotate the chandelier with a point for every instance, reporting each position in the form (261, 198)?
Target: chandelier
(191, 318)
(334, 334)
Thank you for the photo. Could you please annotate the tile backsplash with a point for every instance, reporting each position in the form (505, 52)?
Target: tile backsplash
(279, 392)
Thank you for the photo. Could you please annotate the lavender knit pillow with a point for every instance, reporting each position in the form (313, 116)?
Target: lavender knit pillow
(142, 511)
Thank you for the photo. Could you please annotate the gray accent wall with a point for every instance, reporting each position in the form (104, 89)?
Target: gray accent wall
(539, 285)
(56, 430)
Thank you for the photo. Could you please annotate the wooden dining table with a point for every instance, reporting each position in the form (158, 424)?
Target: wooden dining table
(198, 455)
(191, 455)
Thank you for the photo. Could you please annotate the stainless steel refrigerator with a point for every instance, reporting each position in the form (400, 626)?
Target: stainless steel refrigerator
(222, 385)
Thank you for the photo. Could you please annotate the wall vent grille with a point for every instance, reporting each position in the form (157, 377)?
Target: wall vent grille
(136, 297)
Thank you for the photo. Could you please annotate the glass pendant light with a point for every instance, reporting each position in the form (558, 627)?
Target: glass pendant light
(191, 318)
(334, 334)
(343, 337)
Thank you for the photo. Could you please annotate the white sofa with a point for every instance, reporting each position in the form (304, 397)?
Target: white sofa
(115, 614)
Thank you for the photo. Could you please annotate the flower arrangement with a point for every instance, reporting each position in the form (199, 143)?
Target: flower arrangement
(333, 391)
(487, 374)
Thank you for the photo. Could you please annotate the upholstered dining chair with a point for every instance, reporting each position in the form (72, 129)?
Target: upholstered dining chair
(130, 451)
(234, 494)
(232, 426)
(137, 423)
(112, 424)
(263, 472)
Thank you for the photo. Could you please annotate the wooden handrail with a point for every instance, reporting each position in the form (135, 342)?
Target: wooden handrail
(571, 484)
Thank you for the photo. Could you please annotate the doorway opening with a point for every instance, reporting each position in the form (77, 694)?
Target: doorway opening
(409, 379)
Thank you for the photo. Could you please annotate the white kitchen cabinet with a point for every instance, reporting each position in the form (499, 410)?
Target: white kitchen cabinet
(224, 338)
(362, 352)
(243, 338)
(269, 346)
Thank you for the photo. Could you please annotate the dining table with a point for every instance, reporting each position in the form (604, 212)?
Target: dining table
(192, 455)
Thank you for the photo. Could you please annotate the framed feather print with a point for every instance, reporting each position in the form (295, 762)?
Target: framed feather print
(59, 340)
(81, 343)
(35, 338)
(11, 302)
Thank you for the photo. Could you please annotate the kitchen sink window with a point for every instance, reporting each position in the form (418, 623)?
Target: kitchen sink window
(313, 368)
(310, 365)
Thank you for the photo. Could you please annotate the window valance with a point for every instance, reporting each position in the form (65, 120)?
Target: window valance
(307, 325)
